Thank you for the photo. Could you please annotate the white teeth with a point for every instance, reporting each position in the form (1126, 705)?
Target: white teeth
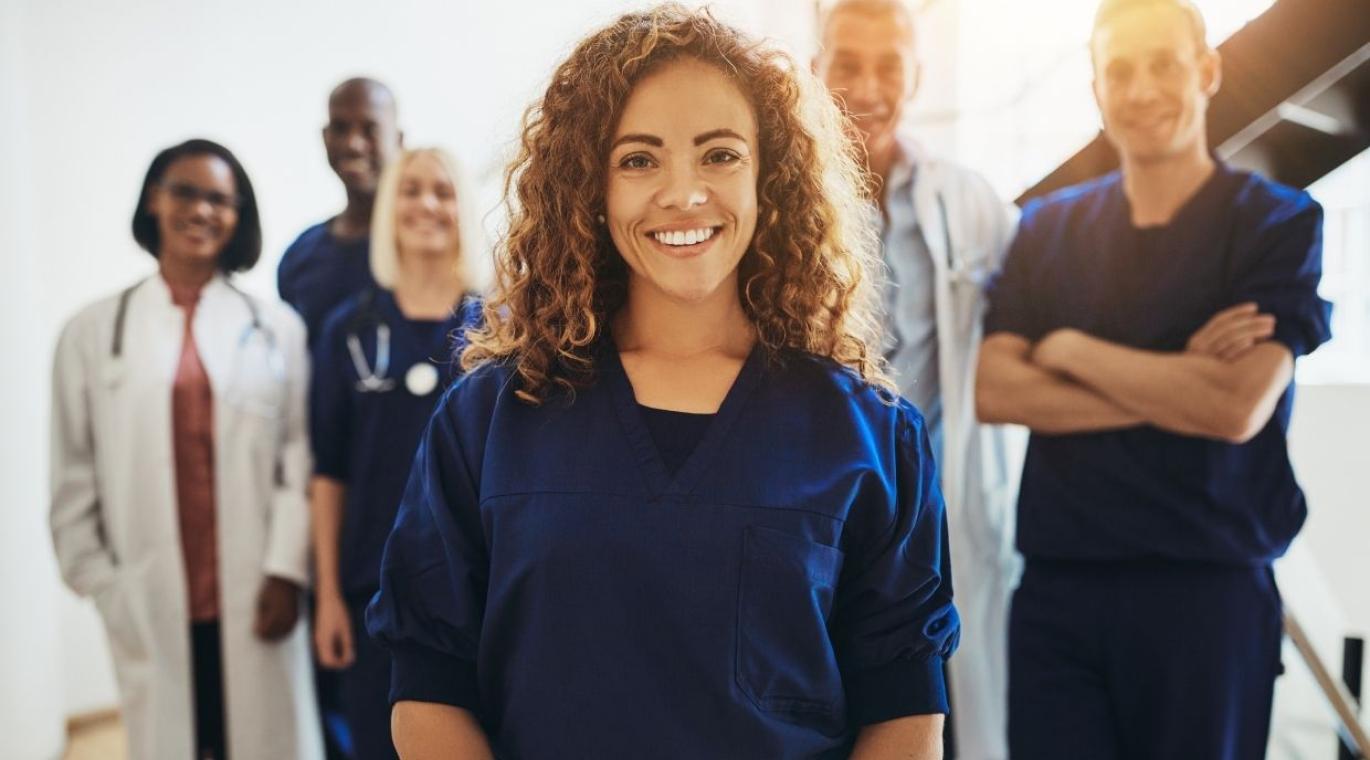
(684, 237)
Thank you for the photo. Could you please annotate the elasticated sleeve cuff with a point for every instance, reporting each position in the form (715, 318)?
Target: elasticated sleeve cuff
(1293, 336)
(422, 675)
(904, 687)
(329, 467)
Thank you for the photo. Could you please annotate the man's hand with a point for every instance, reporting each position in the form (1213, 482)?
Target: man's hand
(1053, 351)
(278, 607)
(1232, 332)
(333, 632)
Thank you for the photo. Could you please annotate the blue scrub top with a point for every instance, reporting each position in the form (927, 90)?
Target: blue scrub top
(787, 585)
(318, 271)
(1145, 492)
(366, 439)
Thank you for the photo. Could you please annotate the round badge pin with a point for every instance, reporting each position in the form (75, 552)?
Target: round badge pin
(421, 379)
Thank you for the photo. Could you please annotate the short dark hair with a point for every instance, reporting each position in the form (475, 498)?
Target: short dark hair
(1110, 9)
(245, 247)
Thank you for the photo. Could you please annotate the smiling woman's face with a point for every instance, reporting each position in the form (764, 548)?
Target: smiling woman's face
(196, 206)
(681, 194)
(426, 210)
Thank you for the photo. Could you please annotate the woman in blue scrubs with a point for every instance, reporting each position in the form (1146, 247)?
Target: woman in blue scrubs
(380, 366)
(673, 510)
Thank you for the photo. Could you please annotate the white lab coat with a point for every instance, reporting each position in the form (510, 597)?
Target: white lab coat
(967, 229)
(114, 515)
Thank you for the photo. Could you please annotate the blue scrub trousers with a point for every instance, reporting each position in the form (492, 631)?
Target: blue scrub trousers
(364, 690)
(1142, 661)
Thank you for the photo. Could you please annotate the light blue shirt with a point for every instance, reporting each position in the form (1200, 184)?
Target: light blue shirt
(911, 343)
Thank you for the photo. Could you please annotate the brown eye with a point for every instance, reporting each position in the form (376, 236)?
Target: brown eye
(635, 161)
(221, 201)
(721, 156)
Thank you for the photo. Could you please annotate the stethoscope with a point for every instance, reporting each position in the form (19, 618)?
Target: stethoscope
(957, 270)
(256, 326)
(420, 379)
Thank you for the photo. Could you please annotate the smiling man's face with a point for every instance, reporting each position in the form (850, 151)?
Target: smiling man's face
(361, 136)
(1153, 81)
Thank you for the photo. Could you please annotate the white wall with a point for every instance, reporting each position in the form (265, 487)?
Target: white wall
(1329, 442)
(1323, 577)
(30, 698)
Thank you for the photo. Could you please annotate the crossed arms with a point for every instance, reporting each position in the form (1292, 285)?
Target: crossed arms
(1224, 385)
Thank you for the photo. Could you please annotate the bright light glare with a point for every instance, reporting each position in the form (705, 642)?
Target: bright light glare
(1022, 96)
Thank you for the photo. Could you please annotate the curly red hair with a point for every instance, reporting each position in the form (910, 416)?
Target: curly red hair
(805, 280)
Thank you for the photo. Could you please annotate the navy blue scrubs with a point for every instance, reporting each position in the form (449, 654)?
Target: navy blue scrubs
(319, 270)
(365, 439)
(788, 584)
(1147, 624)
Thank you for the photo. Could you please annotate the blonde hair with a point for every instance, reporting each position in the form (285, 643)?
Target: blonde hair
(805, 280)
(385, 260)
(895, 10)
(1109, 10)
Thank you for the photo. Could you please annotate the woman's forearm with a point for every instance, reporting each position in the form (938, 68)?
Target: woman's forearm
(325, 508)
(431, 731)
(913, 737)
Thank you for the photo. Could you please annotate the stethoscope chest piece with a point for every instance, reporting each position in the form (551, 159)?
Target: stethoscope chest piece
(421, 379)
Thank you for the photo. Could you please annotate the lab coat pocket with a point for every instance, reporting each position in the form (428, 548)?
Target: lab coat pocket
(257, 384)
(256, 397)
(990, 509)
(118, 611)
(785, 660)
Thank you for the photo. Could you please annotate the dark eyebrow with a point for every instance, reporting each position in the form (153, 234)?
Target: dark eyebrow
(651, 140)
(717, 133)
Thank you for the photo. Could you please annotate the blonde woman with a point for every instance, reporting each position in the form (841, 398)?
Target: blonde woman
(673, 510)
(380, 365)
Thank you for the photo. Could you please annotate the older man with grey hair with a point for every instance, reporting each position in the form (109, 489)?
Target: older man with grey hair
(943, 231)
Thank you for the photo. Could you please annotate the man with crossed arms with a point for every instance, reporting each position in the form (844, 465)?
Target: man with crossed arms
(1145, 327)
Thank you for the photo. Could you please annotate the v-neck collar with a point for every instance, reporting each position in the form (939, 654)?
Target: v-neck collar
(660, 483)
(403, 328)
(1199, 205)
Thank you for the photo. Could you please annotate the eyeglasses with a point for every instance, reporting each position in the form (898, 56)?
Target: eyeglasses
(186, 195)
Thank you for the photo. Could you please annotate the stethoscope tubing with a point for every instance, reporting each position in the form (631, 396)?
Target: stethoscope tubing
(116, 349)
(372, 379)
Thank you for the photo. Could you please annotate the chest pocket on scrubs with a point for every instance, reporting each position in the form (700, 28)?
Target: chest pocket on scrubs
(785, 661)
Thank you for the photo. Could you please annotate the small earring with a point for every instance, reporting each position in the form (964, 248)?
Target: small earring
(600, 218)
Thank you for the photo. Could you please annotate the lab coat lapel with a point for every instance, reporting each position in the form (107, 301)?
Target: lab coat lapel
(217, 324)
(927, 209)
(146, 606)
